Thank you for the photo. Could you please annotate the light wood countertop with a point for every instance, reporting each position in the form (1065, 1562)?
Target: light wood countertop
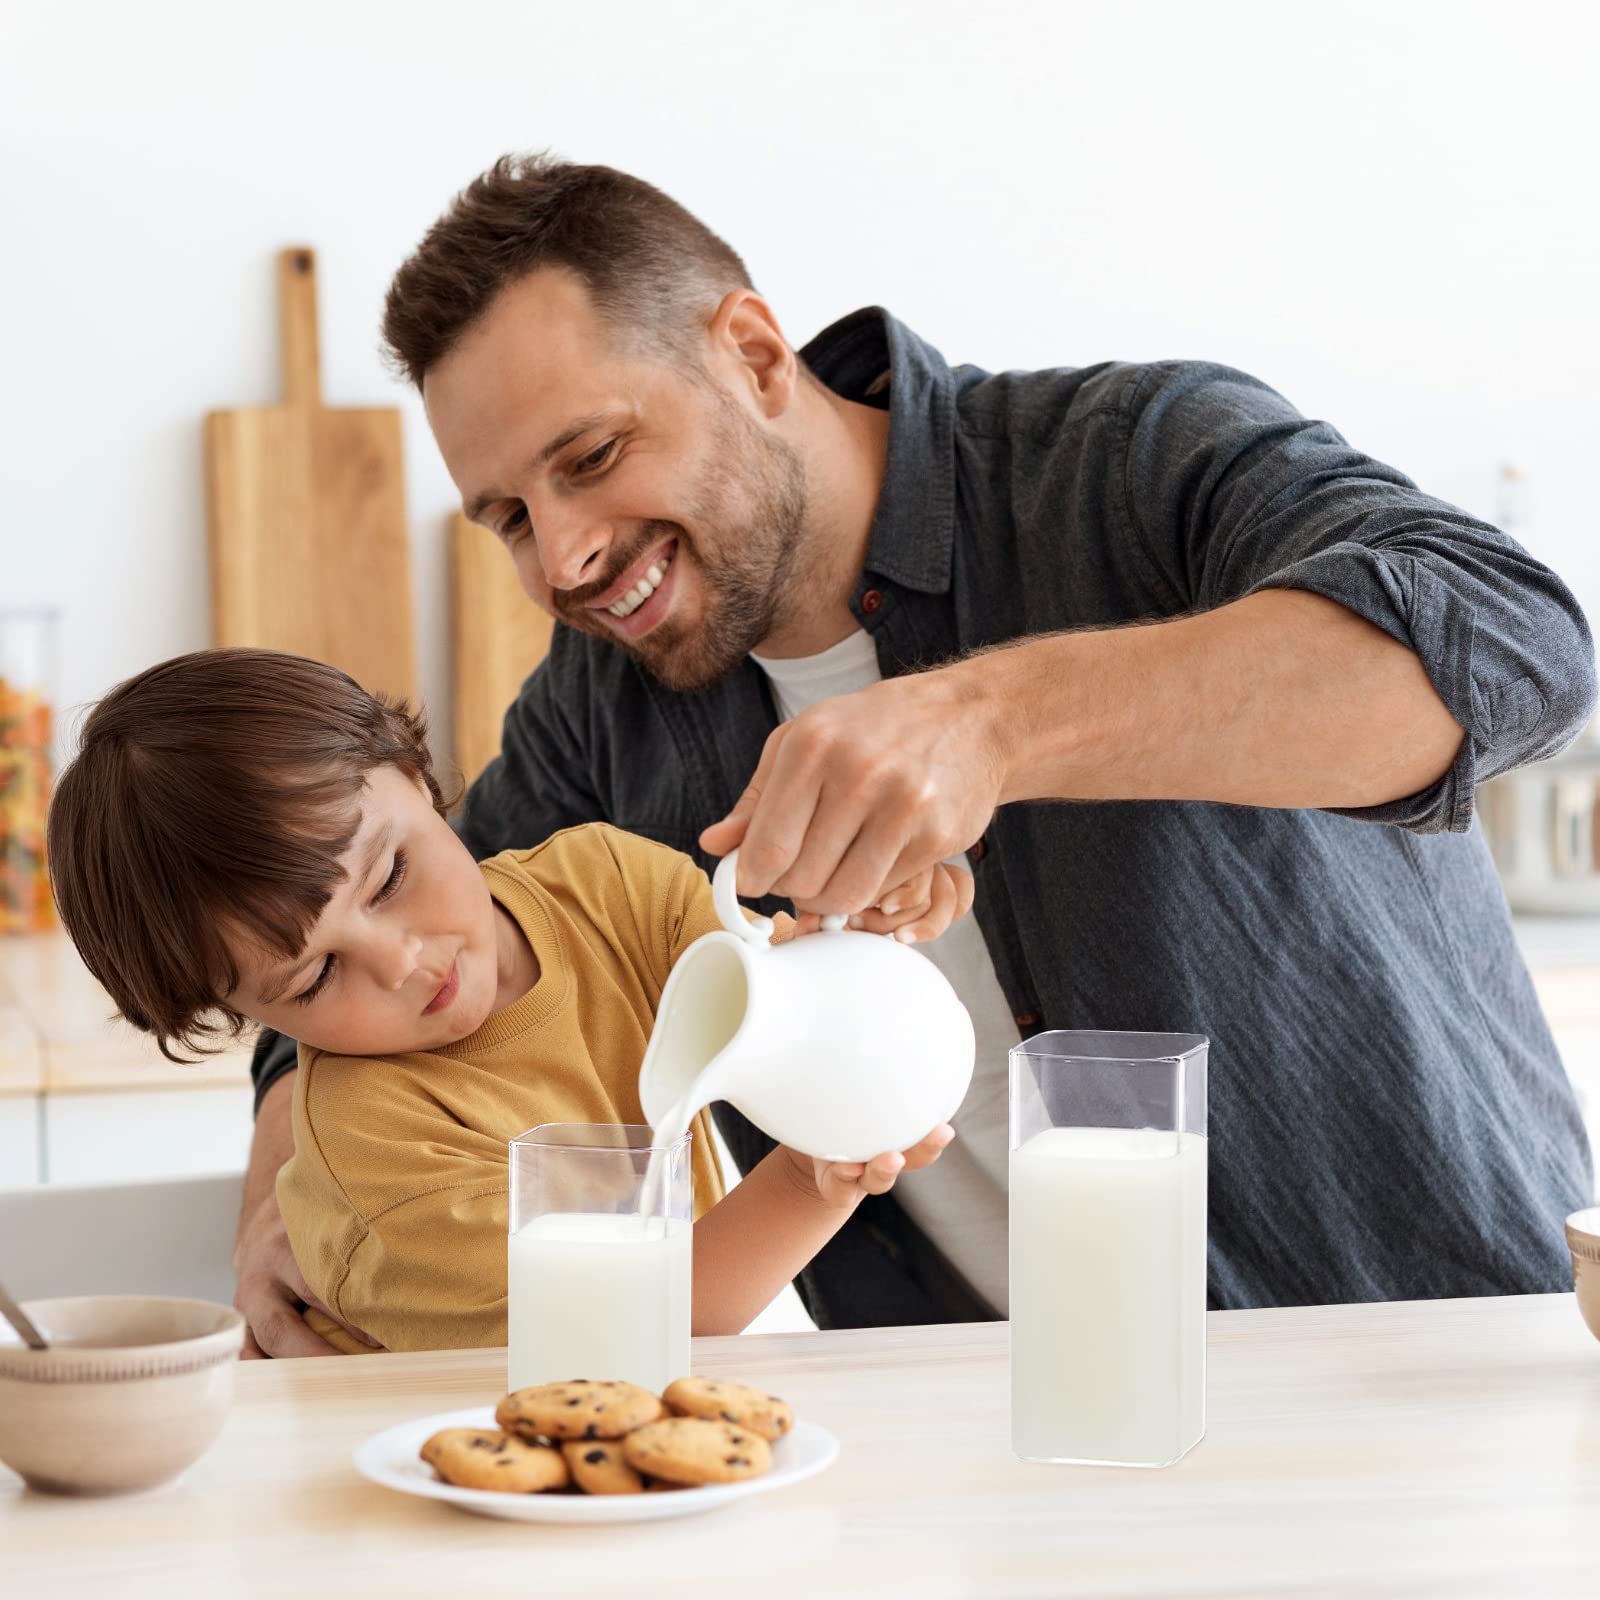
(84, 1047)
(1445, 1448)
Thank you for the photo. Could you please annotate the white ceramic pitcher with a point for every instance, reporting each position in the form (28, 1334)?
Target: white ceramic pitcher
(841, 1045)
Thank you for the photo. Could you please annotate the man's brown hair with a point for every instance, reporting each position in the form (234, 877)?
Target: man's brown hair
(653, 271)
(212, 796)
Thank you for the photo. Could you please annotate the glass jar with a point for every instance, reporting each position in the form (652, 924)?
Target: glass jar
(27, 700)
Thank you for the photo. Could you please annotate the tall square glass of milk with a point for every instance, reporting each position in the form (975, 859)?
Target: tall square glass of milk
(598, 1259)
(1108, 1247)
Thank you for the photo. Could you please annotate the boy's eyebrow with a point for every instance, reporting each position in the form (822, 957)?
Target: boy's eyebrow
(274, 987)
(573, 430)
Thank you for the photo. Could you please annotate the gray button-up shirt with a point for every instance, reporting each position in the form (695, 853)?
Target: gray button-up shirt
(1388, 1115)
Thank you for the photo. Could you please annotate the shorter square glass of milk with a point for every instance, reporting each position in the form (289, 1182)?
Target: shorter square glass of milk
(599, 1256)
(1108, 1247)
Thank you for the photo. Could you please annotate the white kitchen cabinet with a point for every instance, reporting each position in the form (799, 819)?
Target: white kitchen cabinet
(1563, 954)
(19, 1141)
(1578, 1040)
(110, 1137)
(109, 1106)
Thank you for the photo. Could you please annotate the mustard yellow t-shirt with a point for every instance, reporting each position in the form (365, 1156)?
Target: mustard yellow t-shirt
(396, 1197)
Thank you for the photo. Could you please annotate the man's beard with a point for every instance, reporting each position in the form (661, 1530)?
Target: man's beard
(746, 573)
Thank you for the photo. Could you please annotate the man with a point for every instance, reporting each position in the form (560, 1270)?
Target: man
(856, 612)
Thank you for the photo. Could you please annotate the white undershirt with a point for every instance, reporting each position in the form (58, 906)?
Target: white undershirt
(960, 1201)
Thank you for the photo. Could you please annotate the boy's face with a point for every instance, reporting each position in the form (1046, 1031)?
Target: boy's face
(403, 957)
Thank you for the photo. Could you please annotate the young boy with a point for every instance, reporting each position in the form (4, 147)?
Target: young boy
(246, 836)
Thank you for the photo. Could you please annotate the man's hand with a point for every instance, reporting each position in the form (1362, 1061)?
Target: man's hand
(844, 1183)
(270, 1291)
(860, 795)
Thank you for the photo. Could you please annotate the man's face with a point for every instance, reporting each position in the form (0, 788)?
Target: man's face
(403, 957)
(639, 505)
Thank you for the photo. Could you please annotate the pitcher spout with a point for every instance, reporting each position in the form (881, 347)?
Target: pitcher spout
(693, 1046)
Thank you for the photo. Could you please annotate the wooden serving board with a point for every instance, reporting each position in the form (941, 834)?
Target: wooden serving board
(497, 637)
(306, 510)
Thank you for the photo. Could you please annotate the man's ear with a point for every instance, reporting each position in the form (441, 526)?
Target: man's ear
(749, 348)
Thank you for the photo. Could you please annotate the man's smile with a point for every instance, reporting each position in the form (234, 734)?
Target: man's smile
(641, 597)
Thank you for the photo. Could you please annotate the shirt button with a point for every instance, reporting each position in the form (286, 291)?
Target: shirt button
(977, 852)
(1026, 1019)
(872, 601)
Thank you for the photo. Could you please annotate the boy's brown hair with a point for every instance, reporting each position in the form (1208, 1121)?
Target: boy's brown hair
(652, 269)
(212, 796)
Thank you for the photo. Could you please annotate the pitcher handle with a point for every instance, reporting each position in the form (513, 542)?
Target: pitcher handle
(725, 897)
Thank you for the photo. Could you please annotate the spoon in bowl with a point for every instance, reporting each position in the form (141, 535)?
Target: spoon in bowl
(19, 1319)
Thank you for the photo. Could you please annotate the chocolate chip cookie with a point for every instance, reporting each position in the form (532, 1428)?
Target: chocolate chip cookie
(694, 1451)
(717, 1400)
(477, 1458)
(581, 1409)
(598, 1466)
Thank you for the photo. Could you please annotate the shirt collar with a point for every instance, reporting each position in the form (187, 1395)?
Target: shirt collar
(913, 528)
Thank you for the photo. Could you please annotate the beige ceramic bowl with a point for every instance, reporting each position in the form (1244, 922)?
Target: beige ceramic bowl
(131, 1391)
(1583, 1238)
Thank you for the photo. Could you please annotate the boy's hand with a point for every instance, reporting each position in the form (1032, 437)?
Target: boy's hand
(844, 1183)
(918, 910)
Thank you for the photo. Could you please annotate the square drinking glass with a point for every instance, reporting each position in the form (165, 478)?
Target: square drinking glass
(599, 1257)
(1108, 1247)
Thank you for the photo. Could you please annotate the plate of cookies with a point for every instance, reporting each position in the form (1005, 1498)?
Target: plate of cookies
(602, 1451)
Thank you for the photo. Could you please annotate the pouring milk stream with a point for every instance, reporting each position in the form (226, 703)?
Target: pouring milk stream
(841, 1045)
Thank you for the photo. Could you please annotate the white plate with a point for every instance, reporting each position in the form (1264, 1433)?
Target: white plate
(390, 1458)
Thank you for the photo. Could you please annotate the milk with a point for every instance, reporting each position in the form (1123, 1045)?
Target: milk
(673, 1126)
(599, 1296)
(1108, 1284)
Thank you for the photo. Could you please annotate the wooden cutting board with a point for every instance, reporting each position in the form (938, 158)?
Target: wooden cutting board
(306, 511)
(497, 637)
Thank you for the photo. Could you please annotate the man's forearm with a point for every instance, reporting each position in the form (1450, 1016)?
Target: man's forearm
(1280, 699)
(271, 1145)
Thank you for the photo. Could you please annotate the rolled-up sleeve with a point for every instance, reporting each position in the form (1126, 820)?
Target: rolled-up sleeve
(1231, 491)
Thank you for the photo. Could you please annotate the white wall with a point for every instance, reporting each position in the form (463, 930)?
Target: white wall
(1387, 211)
